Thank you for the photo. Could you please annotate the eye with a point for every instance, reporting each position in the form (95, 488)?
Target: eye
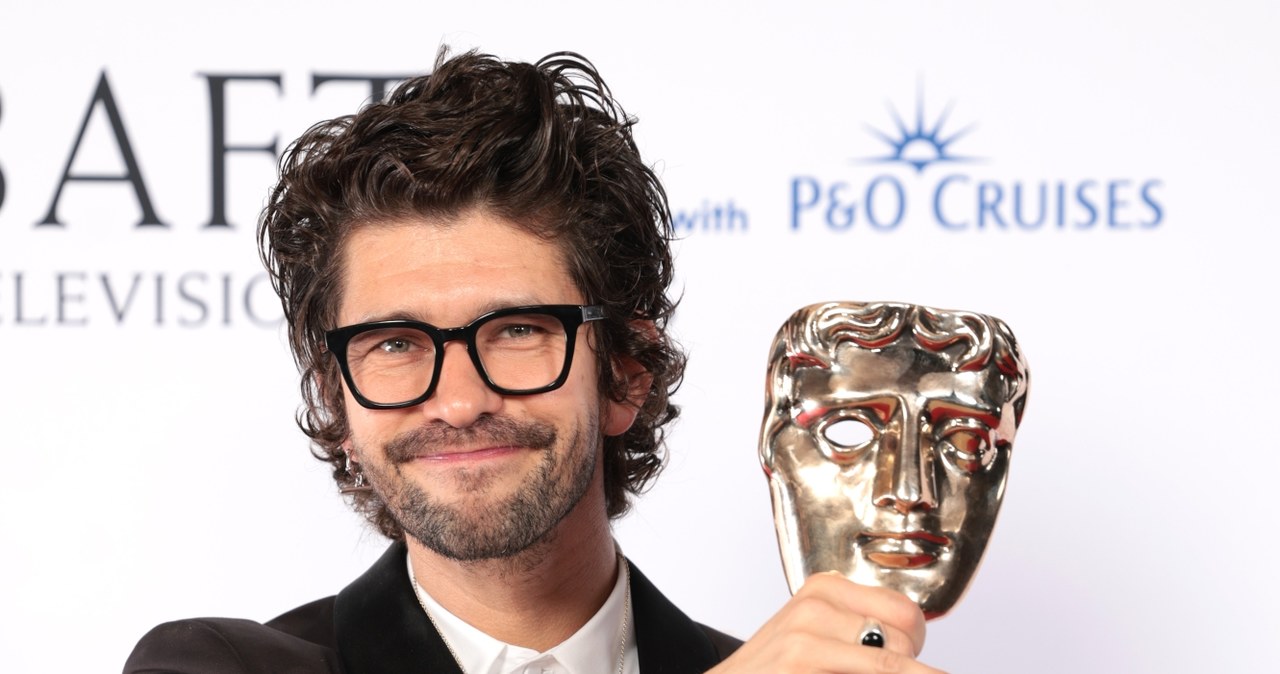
(844, 433)
(384, 344)
(516, 331)
(395, 345)
(525, 330)
(967, 444)
(848, 434)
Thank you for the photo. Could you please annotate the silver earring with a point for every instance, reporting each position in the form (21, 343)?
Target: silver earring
(354, 470)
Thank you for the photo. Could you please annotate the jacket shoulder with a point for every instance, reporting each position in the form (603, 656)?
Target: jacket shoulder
(227, 645)
(724, 644)
(312, 622)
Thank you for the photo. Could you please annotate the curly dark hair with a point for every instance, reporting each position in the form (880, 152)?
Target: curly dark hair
(542, 145)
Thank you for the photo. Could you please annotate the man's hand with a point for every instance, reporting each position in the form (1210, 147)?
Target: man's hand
(819, 630)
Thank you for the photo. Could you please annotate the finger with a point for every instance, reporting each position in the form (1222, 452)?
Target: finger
(815, 614)
(893, 639)
(804, 653)
(872, 634)
(851, 659)
(894, 610)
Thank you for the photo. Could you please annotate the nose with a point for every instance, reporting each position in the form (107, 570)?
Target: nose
(904, 468)
(461, 396)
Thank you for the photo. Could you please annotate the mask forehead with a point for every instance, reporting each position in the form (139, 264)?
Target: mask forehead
(904, 371)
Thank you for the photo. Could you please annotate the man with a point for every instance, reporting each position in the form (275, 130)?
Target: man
(474, 275)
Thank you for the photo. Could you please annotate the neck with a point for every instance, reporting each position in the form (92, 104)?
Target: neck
(539, 597)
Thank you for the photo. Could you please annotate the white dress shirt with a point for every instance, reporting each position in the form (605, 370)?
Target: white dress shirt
(593, 649)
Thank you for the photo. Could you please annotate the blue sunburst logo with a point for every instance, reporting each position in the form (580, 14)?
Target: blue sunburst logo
(920, 146)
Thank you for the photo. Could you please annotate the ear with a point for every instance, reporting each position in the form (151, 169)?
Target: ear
(619, 415)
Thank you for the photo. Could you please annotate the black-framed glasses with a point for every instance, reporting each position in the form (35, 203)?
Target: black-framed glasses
(517, 351)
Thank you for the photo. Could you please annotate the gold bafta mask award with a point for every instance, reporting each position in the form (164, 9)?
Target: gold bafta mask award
(887, 436)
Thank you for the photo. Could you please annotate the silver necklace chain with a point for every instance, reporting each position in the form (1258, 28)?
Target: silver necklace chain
(622, 629)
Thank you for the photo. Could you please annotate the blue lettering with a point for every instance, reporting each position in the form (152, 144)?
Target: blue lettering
(683, 221)
(834, 209)
(1017, 207)
(1115, 203)
(718, 212)
(798, 204)
(901, 203)
(1062, 205)
(736, 216)
(710, 218)
(937, 203)
(989, 196)
(1157, 213)
(1082, 196)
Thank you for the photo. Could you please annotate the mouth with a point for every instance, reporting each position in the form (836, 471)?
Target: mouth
(488, 438)
(902, 550)
(469, 453)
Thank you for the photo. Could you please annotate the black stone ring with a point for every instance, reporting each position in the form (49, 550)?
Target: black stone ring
(872, 634)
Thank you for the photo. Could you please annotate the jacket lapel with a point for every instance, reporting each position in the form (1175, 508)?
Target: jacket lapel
(669, 642)
(382, 629)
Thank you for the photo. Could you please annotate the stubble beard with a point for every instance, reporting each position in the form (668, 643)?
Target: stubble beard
(483, 526)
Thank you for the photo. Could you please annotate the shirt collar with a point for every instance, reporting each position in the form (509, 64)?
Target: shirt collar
(596, 642)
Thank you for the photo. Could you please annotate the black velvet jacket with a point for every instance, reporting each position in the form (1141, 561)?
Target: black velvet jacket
(375, 626)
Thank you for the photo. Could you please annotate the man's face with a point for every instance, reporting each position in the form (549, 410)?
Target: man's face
(889, 469)
(470, 473)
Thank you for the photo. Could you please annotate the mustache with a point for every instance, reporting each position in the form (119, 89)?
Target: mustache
(487, 430)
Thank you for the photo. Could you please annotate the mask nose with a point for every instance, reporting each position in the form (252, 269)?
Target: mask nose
(904, 468)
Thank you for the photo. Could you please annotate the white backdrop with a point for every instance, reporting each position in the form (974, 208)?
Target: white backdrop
(154, 472)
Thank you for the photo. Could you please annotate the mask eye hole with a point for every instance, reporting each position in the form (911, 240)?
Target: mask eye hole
(967, 444)
(848, 434)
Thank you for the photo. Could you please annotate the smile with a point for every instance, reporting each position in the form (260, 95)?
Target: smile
(471, 454)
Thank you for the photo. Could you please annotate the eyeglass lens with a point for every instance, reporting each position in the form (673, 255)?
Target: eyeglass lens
(518, 352)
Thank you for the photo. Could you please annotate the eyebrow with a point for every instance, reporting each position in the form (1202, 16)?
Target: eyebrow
(943, 410)
(491, 305)
(881, 407)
